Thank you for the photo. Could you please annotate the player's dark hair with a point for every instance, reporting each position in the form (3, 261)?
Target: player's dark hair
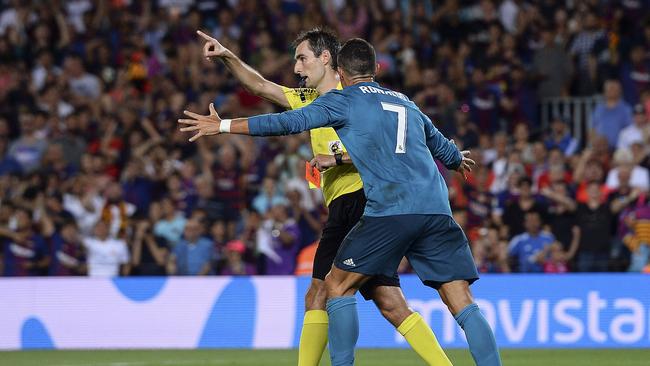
(319, 40)
(357, 58)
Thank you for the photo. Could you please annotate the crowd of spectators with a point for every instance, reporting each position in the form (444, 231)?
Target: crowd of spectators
(96, 179)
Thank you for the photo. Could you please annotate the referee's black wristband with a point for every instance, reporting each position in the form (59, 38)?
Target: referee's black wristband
(339, 159)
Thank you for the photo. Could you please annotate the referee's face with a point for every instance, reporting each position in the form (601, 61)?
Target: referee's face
(308, 66)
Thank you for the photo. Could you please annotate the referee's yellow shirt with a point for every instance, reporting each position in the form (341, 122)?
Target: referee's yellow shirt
(338, 180)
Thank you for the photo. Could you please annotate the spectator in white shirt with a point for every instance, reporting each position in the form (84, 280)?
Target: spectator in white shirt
(635, 132)
(107, 257)
(624, 160)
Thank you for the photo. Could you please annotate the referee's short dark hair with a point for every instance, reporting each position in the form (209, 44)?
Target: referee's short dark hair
(319, 40)
(357, 58)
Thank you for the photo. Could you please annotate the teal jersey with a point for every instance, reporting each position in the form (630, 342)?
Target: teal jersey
(390, 141)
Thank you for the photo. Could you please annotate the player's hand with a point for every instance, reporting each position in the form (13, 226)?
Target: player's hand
(466, 164)
(212, 48)
(204, 125)
(323, 162)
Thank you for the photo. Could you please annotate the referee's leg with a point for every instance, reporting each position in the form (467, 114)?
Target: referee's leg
(313, 337)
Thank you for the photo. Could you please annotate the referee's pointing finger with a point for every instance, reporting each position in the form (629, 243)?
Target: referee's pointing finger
(205, 36)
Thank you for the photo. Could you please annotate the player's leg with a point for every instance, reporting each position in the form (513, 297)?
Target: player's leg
(374, 246)
(390, 300)
(344, 212)
(482, 344)
(342, 312)
(313, 337)
(442, 259)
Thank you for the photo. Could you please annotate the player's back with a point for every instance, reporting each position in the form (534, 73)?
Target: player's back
(387, 135)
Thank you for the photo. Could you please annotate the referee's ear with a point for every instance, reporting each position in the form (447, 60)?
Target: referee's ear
(326, 58)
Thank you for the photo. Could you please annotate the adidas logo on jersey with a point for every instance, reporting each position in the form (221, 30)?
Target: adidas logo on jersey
(349, 262)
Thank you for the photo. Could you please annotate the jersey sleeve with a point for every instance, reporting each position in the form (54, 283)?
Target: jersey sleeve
(330, 110)
(513, 246)
(441, 148)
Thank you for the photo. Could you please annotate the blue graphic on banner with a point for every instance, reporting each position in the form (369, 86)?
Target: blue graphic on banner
(140, 289)
(232, 319)
(34, 335)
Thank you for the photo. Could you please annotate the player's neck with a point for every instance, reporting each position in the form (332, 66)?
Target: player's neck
(362, 79)
(359, 79)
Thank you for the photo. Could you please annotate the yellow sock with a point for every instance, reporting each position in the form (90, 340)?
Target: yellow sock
(313, 338)
(423, 341)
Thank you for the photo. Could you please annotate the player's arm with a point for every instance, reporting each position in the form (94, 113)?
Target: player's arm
(330, 110)
(247, 76)
(446, 150)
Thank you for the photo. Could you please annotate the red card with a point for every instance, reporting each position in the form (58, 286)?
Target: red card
(312, 175)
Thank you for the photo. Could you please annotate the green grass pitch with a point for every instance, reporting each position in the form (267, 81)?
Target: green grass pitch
(365, 357)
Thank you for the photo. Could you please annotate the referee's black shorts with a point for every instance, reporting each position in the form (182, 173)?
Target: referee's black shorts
(344, 212)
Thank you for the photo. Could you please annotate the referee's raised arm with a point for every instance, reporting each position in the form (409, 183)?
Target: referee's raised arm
(252, 80)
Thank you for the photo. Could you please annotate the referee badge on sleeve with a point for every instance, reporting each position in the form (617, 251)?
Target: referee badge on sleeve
(336, 147)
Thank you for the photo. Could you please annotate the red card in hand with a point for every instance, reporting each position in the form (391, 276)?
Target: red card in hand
(312, 175)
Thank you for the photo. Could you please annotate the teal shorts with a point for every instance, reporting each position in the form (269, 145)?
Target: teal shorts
(435, 246)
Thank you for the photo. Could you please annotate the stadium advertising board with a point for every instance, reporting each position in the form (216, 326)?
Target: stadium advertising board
(531, 311)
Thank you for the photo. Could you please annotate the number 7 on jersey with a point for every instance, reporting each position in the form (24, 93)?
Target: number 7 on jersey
(400, 147)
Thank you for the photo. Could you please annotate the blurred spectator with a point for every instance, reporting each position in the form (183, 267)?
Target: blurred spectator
(234, 264)
(218, 236)
(229, 182)
(526, 247)
(81, 83)
(624, 161)
(28, 149)
(107, 256)
(171, 222)
(560, 137)
(612, 115)
(636, 132)
(553, 259)
(635, 74)
(562, 219)
(268, 197)
(638, 239)
(582, 48)
(68, 255)
(479, 199)
(522, 144)
(515, 212)
(595, 223)
(116, 212)
(490, 252)
(309, 223)
(24, 250)
(193, 255)
(278, 241)
(624, 201)
(148, 252)
(552, 66)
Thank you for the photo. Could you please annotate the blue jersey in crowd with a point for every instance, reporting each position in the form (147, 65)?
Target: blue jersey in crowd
(391, 142)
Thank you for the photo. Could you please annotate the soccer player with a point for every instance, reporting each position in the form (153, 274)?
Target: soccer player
(392, 144)
(315, 56)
